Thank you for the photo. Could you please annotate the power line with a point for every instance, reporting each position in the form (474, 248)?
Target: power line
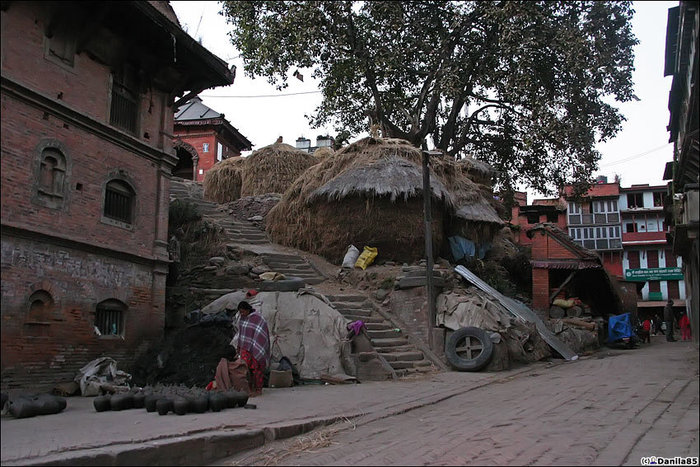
(264, 95)
(627, 159)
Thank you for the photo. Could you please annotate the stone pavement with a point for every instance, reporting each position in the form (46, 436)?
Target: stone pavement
(612, 408)
(596, 410)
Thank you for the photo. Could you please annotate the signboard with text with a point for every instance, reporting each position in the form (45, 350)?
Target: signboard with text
(654, 274)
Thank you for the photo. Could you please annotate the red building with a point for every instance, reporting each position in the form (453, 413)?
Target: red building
(203, 138)
(87, 124)
(525, 216)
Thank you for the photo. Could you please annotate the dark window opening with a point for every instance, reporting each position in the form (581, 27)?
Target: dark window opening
(658, 199)
(41, 306)
(635, 200)
(673, 290)
(652, 259)
(654, 286)
(119, 201)
(533, 218)
(552, 217)
(630, 227)
(125, 99)
(671, 260)
(633, 259)
(52, 172)
(109, 318)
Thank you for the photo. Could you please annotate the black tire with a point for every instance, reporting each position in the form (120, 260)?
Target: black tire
(464, 354)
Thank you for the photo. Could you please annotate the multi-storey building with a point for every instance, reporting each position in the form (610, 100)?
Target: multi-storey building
(304, 144)
(204, 137)
(593, 221)
(87, 94)
(648, 259)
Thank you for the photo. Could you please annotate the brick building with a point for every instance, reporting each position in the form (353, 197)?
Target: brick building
(525, 216)
(204, 137)
(87, 120)
(682, 203)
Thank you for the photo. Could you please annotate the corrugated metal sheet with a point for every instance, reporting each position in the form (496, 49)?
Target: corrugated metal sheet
(520, 310)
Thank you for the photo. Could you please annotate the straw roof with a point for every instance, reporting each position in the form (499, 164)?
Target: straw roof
(393, 176)
(370, 193)
(273, 168)
(222, 183)
(323, 152)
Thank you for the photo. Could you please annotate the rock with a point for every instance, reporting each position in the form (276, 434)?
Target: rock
(390, 263)
(217, 260)
(209, 268)
(238, 270)
(257, 270)
(381, 294)
(255, 218)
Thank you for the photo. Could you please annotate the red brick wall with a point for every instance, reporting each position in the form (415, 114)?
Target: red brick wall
(196, 137)
(540, 289)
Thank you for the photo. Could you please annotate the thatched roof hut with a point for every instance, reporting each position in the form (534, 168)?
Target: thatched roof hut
(323, 152)
(222, 183)
(370, 193)
(272, 169)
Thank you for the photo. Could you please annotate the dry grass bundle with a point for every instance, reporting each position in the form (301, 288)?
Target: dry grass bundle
(324, 152)
(222, 183)
(274, 168)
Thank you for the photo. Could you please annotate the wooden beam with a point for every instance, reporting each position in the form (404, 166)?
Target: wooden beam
(566, 281)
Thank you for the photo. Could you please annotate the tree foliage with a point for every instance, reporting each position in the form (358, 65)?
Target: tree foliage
(524, 85)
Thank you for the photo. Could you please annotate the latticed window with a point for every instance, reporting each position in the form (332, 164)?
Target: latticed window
(109, 318)
(119, 201)
(124, 111)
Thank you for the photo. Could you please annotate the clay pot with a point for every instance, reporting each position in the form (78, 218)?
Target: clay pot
(181, 406)
(200, 404)
(102, 403)
(217, 402)
(241, 398)
(62, 403)
(150, 402)
(122, 401)
(139, 400)
(230, 398)
(163, 406)
(46, 404)
(22, 407)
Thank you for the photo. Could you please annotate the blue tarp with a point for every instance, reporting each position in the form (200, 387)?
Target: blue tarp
(619, 327)
(461, 248)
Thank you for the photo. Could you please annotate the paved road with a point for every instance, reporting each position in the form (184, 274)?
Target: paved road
(612, 408)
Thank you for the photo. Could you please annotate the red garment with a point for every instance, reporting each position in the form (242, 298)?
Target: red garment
(256, 382)
(684, 324)
(646, 325)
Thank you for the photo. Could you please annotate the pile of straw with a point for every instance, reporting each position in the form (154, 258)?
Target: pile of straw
(272, 169)
(222, 183)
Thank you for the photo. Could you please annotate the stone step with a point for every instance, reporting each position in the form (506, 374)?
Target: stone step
(378, 326)
(364, 319)
(361, 313)
(346, 298)
(352, 305)
(398, 365)
(413, 371)
(283, 258)
(403, 356)
(399, 348)
(383, 334)
(390, 342)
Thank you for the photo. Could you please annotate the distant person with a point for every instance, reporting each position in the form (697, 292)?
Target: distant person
(645, 332)
(668, 319)
(657, 325)
(684, 324)
(253, 344)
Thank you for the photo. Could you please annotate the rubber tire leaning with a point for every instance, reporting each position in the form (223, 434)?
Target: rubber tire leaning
(463, 364)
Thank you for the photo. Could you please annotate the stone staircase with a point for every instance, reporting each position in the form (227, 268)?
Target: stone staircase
(245, 233)
(388, 341)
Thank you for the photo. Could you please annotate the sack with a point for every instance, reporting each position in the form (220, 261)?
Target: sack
(366, 258)
(350, 257)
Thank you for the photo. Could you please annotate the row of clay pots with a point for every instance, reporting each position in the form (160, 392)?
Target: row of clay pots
(165, 403)
(40, 404)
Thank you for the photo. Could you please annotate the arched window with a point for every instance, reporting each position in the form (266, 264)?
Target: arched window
(110, 317)
(40, 307)
(52, 172)
(119, 201)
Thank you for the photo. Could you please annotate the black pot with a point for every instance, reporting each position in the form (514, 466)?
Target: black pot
(102, 403)
(241, 398)
(62, 403)
(200, 404)
(22, 407)
(231, 399)
(46, 404)
(163, 406)
(150, 402)
(122, 401)
(5, 397)
(139, 400)
(217, 402)
(181, 406)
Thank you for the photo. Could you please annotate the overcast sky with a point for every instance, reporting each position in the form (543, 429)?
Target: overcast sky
(638, 154)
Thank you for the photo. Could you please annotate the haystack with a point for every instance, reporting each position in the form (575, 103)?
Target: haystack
(222, 183)
(272, 169)
(323, 152)
(370, 193)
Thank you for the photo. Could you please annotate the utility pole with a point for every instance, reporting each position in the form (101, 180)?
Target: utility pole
(428, 218)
